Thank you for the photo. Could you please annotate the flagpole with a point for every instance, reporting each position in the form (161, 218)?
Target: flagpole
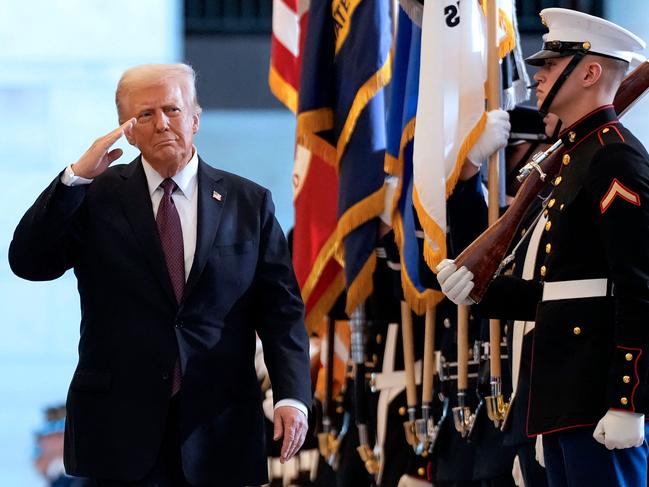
(411, 381)
(494, 402)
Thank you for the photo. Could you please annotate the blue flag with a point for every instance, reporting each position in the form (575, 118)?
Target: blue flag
(401, 130)
(341, 118)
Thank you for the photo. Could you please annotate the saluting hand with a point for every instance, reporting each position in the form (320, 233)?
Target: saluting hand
(97, 158)
(290, 423)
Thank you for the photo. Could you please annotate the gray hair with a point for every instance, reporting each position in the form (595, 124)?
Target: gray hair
(154, 74)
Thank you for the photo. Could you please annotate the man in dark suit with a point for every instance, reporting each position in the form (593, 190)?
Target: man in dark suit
(178, 266)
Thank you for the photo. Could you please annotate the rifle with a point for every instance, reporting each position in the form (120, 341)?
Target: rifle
(484, 257)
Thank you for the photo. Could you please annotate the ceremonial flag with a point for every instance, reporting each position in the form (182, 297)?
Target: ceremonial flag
(451, 108)
(289, 29)
(341, 119)
(319, 274)
(398, 160)
(315, 182)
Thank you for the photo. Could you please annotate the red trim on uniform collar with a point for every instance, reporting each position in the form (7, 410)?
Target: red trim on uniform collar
(581, 139)
(599, 109)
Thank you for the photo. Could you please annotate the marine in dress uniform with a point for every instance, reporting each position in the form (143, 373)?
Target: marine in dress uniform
(588, 383)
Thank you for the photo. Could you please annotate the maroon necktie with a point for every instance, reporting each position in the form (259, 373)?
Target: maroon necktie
(171, 238)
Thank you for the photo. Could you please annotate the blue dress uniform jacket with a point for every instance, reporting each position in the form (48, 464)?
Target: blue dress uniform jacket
(132, 328)
(589, 352)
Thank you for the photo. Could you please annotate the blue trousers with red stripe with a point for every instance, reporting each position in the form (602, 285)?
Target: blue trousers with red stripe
(574, 459)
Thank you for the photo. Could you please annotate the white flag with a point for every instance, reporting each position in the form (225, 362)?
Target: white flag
(450, 112)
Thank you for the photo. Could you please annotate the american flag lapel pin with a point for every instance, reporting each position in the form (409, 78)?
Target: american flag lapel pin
(217, 196)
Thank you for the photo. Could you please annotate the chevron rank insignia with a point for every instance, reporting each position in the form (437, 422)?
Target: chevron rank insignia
(618, 189)
(217, 196)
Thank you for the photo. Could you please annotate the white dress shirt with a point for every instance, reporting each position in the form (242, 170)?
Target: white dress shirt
(186, 201)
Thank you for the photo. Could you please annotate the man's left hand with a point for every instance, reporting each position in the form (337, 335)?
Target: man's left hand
(290, 423)
(620, 429)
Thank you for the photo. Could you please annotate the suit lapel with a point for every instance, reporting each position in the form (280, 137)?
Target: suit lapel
(211, 200)
(136, 201)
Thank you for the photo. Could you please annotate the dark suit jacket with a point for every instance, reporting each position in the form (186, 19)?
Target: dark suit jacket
(132, 329)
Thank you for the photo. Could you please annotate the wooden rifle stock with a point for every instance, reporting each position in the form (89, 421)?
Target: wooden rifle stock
(484, 255)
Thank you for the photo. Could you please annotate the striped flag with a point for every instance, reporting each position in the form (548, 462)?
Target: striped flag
(289, 30)
(315, 181)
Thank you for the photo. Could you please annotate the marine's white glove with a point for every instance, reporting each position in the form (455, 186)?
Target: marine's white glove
(517, 473)
(493, 138)
(620, 429)
(409, 481)
(538, 450)
(456, 283)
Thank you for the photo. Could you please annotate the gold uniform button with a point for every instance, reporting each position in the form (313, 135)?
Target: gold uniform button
(605, 130)
(572, 136)
(557, 181)
(628, 357)
(624, 401)
(379, 339)
(586, 45)
(551, 203)
(561, 207)
(421, 471)
(626, 379)
(424, 454)
(576, 330)
(545, 213)
(566, 160)
(548, 248)
(543, 270)
(548, 226)
(402, 411)
(340, 410)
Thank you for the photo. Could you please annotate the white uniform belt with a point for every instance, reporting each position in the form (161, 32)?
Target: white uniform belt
(396, 378)
(577, 289)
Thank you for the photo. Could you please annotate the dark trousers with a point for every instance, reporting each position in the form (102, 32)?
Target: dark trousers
(573, 458)
(168, 470)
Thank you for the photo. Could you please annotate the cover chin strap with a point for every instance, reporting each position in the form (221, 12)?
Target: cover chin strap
(545, 107)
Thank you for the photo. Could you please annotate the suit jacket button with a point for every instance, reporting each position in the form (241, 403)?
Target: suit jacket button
(626, 379)
(628, 357)
(624, 401)
(576, 330)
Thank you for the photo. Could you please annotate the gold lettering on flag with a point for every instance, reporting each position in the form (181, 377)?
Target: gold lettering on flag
(341, 12)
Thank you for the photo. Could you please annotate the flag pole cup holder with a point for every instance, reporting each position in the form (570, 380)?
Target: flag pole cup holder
(496, 405)
(462, 416)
